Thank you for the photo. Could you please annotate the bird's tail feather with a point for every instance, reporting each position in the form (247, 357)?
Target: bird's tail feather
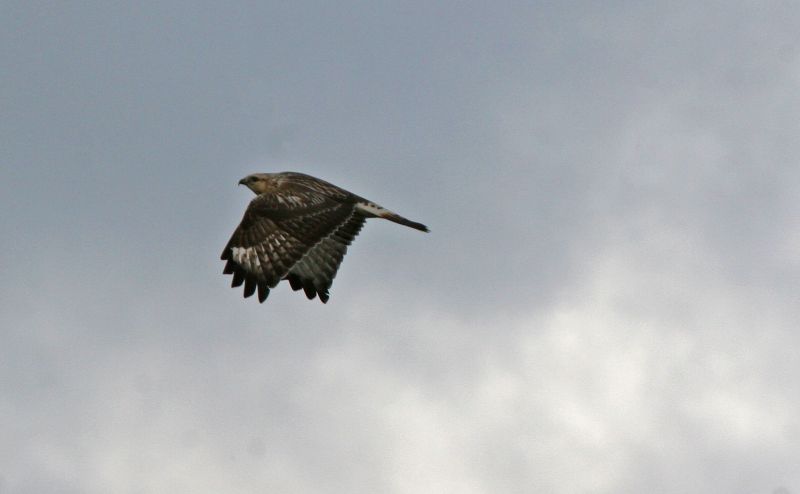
(371, 209)
(403, 221)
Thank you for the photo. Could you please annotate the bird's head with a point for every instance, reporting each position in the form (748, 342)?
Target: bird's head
(257, 182)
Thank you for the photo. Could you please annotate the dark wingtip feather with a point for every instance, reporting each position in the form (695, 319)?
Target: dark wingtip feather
(229, 267)
(310, 292)
(295, 282)
(323, 297)
(249, 287)
(263, 292)
(238, 278)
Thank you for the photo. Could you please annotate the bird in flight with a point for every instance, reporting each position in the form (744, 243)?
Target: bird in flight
(297, 228)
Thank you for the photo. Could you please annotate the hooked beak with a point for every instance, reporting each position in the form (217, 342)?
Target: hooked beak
(241, 182)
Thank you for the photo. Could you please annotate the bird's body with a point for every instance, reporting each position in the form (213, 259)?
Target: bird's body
(297, 228)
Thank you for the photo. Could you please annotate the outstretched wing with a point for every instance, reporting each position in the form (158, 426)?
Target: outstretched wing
(315, 271)
(277, 230)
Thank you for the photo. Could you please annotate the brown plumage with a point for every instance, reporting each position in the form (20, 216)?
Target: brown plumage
(297, 228)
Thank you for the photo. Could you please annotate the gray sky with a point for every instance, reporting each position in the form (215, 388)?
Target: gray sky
(607, 303)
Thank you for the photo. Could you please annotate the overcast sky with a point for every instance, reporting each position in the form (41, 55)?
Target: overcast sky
(608, 301)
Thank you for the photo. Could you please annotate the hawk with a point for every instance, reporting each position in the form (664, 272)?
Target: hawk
(297, 228)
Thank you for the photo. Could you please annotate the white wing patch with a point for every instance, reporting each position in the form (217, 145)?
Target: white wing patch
(248, 258)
